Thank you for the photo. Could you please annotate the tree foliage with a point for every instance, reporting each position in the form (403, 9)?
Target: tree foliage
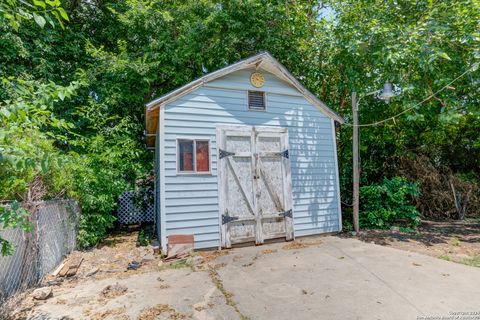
(73, 98)
(14, 12)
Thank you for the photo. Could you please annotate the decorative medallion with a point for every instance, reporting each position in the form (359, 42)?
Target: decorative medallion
(257, 80)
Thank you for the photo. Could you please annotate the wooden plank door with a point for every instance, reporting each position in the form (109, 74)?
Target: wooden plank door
(273, 188)
(254, 184)
(236, 194)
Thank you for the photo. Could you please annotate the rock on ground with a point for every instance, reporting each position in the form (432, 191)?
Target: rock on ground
(42, 293)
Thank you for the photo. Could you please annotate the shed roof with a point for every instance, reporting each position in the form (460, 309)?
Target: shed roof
(262, 60)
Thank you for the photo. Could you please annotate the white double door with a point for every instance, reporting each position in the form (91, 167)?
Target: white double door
(255, 191)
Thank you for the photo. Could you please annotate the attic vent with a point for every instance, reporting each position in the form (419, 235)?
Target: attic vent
(256, 100)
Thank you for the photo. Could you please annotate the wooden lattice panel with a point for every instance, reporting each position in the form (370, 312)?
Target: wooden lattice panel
(129, 213)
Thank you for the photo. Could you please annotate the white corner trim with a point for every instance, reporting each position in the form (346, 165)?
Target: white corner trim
(163, 213)
(337, 176)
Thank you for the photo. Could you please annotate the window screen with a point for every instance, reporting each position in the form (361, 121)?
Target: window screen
(193, 155)
(256, 100)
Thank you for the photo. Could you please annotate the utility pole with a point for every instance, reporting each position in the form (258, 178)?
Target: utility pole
(386, 94)
(356, 167)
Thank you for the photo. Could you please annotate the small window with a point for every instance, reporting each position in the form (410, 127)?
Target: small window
(193, 156)
(256, 100)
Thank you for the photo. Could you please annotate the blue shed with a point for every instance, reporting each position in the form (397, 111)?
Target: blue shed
(244, 154)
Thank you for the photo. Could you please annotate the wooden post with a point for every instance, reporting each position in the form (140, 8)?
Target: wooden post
(356, 167)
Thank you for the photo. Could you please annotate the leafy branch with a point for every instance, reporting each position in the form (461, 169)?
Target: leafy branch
(41, 11)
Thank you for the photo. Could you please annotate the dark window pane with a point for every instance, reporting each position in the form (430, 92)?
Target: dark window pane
(202, 156)
(185, 155)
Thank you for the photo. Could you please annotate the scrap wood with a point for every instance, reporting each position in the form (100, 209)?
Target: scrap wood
(176, 256)
(179, 245)
(92, 272)
(60, 267)
(64, 270)
(71, 267)
(72, 271)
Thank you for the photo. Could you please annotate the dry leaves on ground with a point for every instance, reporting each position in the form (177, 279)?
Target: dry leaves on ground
(112, 291)
(160, 309)
(299, 244)
(117, 313)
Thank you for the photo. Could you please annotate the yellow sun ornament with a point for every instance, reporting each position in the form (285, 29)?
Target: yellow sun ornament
(257, 80)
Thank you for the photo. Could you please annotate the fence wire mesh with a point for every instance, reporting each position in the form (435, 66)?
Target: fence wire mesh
(38, 252)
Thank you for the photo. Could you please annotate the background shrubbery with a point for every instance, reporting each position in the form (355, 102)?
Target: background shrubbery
(388, 203)
(45, 156)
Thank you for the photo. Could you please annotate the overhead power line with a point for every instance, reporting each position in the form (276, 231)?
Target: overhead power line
(417, 104)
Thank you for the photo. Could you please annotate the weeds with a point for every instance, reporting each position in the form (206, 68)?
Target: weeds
(228, 295)
(474, 261)
(143, 239)
(445, 257)
(182, 263)
(455, 241)
(407, 230)
(471, 261)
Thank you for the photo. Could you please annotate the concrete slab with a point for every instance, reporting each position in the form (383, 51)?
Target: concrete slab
(335, 278)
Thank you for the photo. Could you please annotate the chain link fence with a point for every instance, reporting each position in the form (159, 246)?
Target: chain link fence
(40, 251)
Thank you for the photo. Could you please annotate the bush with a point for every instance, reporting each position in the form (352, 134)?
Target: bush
(108, 165)
(43, 156)
(387, 203)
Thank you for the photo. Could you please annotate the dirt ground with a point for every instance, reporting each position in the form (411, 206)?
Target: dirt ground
(457, 241)
(104, 288)
(193, 287)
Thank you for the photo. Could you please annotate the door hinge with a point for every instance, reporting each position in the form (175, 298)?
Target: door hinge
(226, 219)
(287, 213)
(223, 153)
(283, 154)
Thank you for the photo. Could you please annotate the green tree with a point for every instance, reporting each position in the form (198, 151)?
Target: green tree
(421, 46)
(14, 12)
(28, 130)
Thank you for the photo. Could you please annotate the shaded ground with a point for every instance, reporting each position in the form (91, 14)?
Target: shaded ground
(457, 241)
(309, 278)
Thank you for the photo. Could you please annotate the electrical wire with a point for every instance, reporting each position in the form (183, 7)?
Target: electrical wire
(416, 105)
(407, 110)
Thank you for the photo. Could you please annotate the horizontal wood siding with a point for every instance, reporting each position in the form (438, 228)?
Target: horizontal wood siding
(191, 201)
